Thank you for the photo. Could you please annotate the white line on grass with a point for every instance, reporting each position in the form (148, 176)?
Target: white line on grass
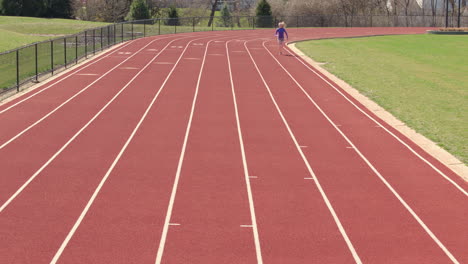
(309, 168)
(395, 193)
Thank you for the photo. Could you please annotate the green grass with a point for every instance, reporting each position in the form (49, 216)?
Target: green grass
(421, 79)
(19, 31)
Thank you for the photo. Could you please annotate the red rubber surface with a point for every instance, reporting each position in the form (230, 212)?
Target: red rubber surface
(126, 172)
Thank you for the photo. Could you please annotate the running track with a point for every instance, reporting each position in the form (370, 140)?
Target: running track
(211, 148)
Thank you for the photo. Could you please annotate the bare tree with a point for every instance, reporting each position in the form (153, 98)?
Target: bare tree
(213, 10)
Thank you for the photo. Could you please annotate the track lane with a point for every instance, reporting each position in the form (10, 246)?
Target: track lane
(349, 182)
(39, 144)
(209, 219)
(63, 188)
(41, 107)
(294, 224)
(78, 249)
(440, 204)
(156, 99)
(332, 94)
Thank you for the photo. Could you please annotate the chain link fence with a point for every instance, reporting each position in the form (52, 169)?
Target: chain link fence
(30, 64)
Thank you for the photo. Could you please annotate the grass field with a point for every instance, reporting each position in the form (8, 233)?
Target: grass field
(19, 31)
(421, 79)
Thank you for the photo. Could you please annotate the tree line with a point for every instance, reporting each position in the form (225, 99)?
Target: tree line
(37, 8)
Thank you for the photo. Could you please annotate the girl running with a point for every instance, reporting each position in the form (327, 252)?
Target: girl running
(280, 32)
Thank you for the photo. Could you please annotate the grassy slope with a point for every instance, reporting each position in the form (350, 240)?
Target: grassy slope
(421, 79)
(18, 31)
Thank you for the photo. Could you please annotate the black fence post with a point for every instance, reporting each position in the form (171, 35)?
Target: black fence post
(37, 73)
(65, 50)
(101, 40)
(253, 22)
(193, 24)
(212, 25)
(144, 28)
(446, 13)
(52, 56)
(94, 41)
(86, 44)
(175, 28)
(159, 29)
(132, 29)
(122, 32)
(114, 40)
(108, 36)
(76, 49)
(459, 13)
(297, 21)
(17, 71)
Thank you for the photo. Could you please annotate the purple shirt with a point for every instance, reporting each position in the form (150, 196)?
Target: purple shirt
(280, 33)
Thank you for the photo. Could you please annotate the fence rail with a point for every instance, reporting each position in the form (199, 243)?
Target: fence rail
(29, 64)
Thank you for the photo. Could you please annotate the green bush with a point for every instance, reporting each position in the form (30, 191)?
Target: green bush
(138, 10)
(263, 13)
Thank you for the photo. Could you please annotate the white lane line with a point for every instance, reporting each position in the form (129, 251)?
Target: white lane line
(66, 77)
(308, 178)
(71, 98)
(388, 131)
(244, 162)
(116, 160)
(128, 68)
(170, 206)
(247, 226)
(74, 136)
(309, 168)
(174, 224)
(395, 193)
(253, 177)
(87, 74)
(303, 146)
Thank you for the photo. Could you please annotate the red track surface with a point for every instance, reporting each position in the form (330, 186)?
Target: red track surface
(211, 148)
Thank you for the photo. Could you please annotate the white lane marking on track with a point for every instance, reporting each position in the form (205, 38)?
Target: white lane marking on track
(303, 146)
(253, 177)
(308, 178)
(128, 68)
(388, 131)
(309, 168)
(71, 139)
(87, 74)
(162, 62)
(170, 206)
(64, 78)
(174, 224)
(246, 226)
(124, 53)
(162, 242)
(71, 98)
(116, 160)
(395, 193)
(253, 217)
